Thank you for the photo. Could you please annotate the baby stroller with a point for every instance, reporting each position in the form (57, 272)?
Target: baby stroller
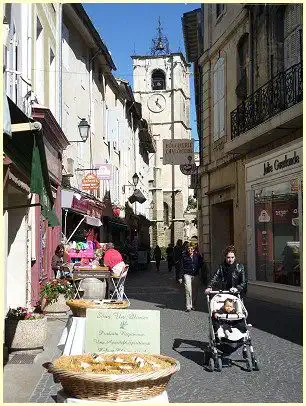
(228, 333)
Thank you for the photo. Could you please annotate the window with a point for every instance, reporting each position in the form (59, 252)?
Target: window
(39, 64)
(166, 214)
(158, 80)
(292, 35)
(219, 10)
(52, 84)
(242, 67)
(218, 99)
(65, 46)
(277, 238)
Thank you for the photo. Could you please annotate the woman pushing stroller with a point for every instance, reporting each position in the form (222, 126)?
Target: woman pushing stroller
(230, 273)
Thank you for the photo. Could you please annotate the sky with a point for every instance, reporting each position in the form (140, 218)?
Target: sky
(128, 29)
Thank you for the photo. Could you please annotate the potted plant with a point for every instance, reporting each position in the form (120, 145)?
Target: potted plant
(54, 295)
(20, 323)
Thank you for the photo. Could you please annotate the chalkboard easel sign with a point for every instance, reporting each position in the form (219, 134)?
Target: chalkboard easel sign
(109, 330)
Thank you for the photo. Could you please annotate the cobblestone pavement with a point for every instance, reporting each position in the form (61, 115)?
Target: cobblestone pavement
(276, 336)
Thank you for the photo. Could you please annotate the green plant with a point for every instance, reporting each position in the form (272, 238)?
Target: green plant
(51, 290)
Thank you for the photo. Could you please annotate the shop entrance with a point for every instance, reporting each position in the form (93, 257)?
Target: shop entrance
(222, 230)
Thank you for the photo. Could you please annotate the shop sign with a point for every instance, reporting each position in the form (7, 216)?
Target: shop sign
(90, 182)
(278, 164)
(122, 330)
(178, 152)
(104, 172)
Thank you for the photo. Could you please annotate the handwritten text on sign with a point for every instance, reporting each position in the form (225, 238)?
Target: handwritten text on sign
(122, 330)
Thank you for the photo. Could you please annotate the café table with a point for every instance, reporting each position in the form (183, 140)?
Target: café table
(83, 272)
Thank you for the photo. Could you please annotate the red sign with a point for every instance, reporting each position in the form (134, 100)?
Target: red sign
(90, 182)
(87, 206)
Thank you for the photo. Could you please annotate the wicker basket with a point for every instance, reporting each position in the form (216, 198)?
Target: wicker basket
(111, 387)
(79, 306)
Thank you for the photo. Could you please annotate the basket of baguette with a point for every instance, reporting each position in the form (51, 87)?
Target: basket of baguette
(113, 376)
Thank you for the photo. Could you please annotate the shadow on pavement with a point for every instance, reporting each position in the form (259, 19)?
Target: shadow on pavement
(161, 289)
(196, 355)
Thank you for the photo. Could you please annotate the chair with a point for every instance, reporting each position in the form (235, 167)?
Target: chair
(118, 285)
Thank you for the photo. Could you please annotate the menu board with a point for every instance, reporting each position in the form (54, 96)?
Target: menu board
(109, 330)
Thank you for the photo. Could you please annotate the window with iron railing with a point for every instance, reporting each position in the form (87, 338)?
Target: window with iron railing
(283, 91)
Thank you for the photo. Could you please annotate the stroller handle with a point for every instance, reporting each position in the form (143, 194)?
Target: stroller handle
(214, 292)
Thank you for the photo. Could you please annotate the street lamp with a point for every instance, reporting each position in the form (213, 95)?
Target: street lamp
(84, 128)
(135, 179)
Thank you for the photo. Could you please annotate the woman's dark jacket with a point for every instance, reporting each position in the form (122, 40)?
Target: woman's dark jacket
(191, 265)
(230, 277)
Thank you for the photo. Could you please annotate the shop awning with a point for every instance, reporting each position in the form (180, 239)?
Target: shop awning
(137, 196)
(26, 149)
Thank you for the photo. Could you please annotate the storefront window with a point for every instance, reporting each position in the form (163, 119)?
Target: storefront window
(277, 231)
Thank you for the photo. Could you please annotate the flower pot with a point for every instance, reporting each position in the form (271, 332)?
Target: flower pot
(25, 334)
(58, 307)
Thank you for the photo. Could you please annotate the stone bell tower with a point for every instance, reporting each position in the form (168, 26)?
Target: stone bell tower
(161, 85)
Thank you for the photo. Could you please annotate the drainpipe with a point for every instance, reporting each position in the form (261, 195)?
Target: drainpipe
(29, 56)
(60, 64)
(172, 138)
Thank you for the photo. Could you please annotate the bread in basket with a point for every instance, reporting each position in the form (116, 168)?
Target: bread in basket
(113, 376)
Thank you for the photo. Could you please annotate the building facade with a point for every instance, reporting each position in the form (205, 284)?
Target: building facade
(115, 141)
(250, 129)
(161, 85)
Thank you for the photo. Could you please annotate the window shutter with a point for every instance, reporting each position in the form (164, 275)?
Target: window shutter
(221, 98)
(216, 106)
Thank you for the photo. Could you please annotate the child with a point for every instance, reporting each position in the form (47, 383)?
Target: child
(229, 308)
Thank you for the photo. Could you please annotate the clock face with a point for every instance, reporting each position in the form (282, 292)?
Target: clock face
(157, 103)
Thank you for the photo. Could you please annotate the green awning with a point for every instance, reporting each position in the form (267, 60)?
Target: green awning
(38, 184)
(27, 151)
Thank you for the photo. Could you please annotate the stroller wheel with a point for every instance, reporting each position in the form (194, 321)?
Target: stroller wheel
(255, 365)
(211, 365)
(219, 364)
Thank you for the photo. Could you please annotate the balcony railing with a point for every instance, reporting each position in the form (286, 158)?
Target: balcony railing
(283, 91)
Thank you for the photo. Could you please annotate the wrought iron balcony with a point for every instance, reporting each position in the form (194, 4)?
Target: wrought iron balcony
(283, 91)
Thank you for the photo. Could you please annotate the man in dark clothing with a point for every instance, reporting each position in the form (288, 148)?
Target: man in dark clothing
(169, 252)
(157, 256)
(190, 270)
(177, 257)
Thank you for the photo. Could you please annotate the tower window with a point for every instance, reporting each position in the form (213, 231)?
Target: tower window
(158, 80)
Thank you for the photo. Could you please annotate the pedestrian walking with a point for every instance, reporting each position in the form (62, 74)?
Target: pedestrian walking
(177, 257)
(230, 274)
(169, 253)
(190, 272)
(157, 256)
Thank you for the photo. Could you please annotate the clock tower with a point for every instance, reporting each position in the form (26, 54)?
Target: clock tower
(161, 85)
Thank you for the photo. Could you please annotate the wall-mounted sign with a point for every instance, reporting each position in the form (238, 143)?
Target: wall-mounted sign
(178, 152)
(122, 330)
(104, 172)
(281, 163)
(90, 182)
(287, 159)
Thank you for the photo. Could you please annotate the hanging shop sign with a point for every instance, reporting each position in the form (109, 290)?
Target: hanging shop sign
(90, 182)
(104, 172)
(122, 330)
(188, 169)
(178, 152)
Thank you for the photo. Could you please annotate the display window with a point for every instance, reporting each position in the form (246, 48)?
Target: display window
(277, 212)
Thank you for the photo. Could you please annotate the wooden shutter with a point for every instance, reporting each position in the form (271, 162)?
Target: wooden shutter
(218, 99)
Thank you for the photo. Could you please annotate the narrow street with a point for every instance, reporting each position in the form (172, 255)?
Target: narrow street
(276, 337)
